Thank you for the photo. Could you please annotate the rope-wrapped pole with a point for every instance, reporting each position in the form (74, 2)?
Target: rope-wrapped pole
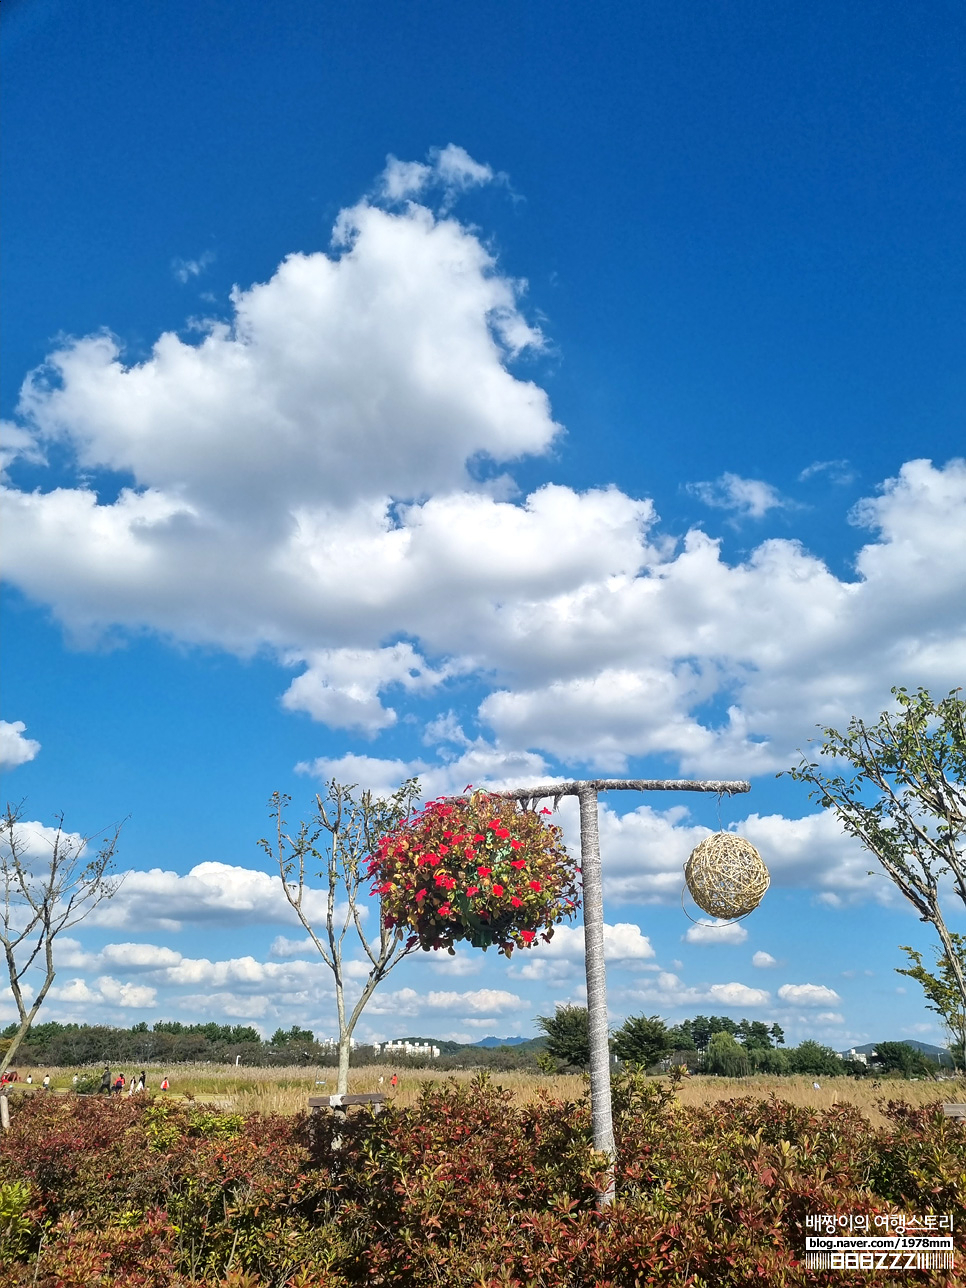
(593, 891)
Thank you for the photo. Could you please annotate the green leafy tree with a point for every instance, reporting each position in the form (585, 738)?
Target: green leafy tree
(568, 1035)
(778, 1034)
(723, 1024)
(904, 798)
(48, 886)
(681, 1039)
(811, 1057)
(295, 1035)
(769, 1060)
(725, 1057)
(334, 847)
(700, 1030)
(643, 1040)
(942, 990)
(901, 1058)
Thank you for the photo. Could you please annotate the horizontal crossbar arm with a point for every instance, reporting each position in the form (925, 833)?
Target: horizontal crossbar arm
(725, 788)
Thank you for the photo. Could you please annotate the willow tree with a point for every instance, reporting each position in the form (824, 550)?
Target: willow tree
(333, 847)
(903, 795)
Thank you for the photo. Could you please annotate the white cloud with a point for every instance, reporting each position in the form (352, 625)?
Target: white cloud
(185, 269)
(341, 686)
(18, 444)
(808, 995)
(15, 749)
(210, 892)
(829, 1017)
(748, 498)
(837, 471)
(407, 1002)
(106, 991)
(306, 479)
(451, 168)
(716, 932)
(667, 990)
(763, 960)
(563, 956)
(283, 947)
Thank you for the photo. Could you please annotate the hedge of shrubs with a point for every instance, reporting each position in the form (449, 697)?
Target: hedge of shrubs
(466, 1187)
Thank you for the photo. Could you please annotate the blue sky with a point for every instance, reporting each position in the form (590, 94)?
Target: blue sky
(494, 395)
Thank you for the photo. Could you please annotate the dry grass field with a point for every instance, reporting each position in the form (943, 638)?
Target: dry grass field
(286, 1090)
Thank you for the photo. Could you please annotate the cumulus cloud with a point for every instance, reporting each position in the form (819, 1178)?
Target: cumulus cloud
(808, 995)
(747, 498)
(210, 892)
(341, 687)
(716, 932)
(763, 960)
(314, 475)
(451, 168)
(563, 956)
(667, 990)
(15, 749)
(105, 991)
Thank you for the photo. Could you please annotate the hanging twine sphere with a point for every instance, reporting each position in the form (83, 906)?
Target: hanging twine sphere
(726, 876)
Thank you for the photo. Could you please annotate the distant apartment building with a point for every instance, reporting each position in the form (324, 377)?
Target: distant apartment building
(424, 1049)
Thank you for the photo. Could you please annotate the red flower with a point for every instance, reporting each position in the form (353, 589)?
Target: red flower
(443, 849)
(518, 863)
(444, 910)
(479, 837)
(497, 889)
(484, 872)
(420, 894)
(470, 852)
(502, 833)
(546, 811)
(472, 890)
(534, 885)
(516, 845)
(528, 936)
(516, 903)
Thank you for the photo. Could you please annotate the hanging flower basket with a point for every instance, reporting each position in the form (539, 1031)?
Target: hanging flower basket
(475, 868)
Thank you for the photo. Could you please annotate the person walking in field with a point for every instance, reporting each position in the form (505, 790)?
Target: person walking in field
(119, 1084)
(142, 1080)
(393, 1081)
(105, 1082)
(46, 1082)
(164, 1083)
(30, 1078)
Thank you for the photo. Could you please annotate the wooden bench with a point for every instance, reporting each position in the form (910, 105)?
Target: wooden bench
(374, 1098)
(955, 1111)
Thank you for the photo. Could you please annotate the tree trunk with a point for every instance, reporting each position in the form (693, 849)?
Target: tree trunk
(342, 1083)
(602, 1119)
(25, 1024)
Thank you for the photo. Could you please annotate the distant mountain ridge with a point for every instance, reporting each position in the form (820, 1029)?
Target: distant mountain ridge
(495, 1042)
(942, 1055)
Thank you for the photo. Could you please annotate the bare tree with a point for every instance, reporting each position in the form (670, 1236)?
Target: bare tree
(334, 847)
(44, 895)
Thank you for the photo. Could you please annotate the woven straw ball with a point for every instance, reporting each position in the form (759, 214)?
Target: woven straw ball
(726, 876)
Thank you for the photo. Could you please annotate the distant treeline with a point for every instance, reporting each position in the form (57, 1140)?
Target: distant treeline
(171, 1042)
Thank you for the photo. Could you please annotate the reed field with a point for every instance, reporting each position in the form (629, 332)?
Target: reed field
(285, 1090)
